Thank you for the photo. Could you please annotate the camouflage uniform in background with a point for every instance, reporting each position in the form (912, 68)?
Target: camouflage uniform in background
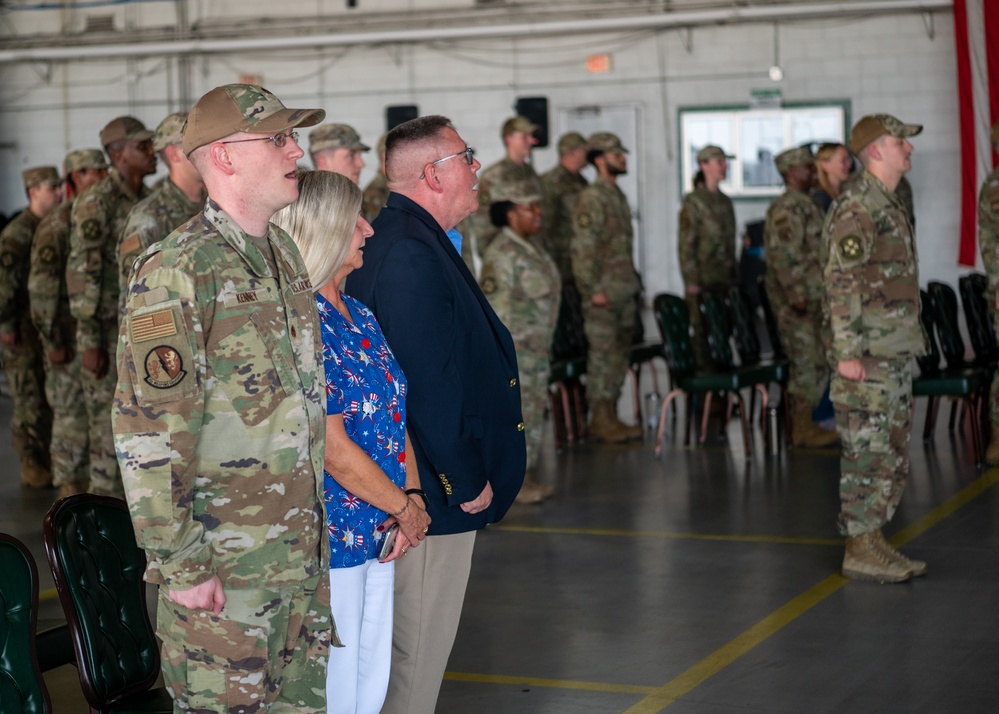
(870, 271)
(57, 328)
(791, 238)
(500, 178)
(602, 262)
(152, 219)
(560, 189)
(31, 424)
(219, 423)
(522, 284)
(98, 218)
(375, 195)
(988, 244)
(707, 252)
(904, 193)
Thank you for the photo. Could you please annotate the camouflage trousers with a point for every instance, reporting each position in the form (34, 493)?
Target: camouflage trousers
(873, 422)
(609, 331)
(70, 451)
(98, 393)
(702, 357)
(801, 337)
(31, 425)
(534, 368)
(266, 652)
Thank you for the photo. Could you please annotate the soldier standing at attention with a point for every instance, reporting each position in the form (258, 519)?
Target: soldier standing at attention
(97, 220)
(338, 147)
(707, 240)
(57, 328)
(871, 278)
(560, 188)
(988, 244)
(604, 270)
(791, 238)
(219, 421)
(31, 425)
(174, 201)
(513, 168)
(522, 284)
(376, 192)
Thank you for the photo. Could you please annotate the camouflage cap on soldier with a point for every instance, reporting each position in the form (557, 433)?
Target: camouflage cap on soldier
(124, 128)
(874, 126)
(170, 131)
(335, 136)
(522, 192)
(518, 123)
(798, 156)
(712, 151)
(39, 175)
(606, 142)
(233, 108)
(570, 142)
(80, 159)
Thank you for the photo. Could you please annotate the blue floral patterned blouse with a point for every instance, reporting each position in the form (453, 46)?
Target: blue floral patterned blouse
(366, 385)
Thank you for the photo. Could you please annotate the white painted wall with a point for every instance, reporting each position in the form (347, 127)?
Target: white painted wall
(888, 64)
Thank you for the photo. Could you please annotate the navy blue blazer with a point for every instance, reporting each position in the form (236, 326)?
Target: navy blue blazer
(463, 404)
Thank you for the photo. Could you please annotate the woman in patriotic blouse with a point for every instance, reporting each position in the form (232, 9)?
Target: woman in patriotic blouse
(369, 461)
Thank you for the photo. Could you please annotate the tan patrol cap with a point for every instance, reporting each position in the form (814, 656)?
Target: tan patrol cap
(335, 136)
(570, 141)
(712, 152)
(40, 174)
(799, 156)
(874, 126)
(233, 108)
(516, 192)
(605, 141)
(518, 123)
(170, 131)
(80, 159)
(124, 128)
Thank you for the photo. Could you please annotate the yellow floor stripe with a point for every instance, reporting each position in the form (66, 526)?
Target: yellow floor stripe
(670, 534)
(743, 643)
(552, 683)
(50, 594)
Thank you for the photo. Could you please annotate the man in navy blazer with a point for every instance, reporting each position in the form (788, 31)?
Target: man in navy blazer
(464, 398)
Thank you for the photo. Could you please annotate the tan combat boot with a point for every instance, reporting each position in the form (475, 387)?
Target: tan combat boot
(865, 560)
(992, 453)
(916, 567)
(805, 432)
(34, 475)
(631, 433)
(71, 488)
(603, 424)
(532, 491)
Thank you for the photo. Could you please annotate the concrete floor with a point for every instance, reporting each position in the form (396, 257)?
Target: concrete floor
(704, 583)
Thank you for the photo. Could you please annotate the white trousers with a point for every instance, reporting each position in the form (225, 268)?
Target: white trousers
(361, 598)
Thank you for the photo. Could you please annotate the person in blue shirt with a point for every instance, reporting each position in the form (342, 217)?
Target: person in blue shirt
(371, 476)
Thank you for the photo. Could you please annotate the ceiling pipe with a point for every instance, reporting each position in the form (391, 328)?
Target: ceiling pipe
(732, 15)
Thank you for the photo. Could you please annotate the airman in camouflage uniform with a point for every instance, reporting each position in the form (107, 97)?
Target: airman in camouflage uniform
(31, 426)
(178, 198)
(219, 422)
(560, 188)
(522, 284)
(377, 191)
(338, 147)
(98, 218)
(604, 269)
(513, 169)
(988, 244)
(707, 240)
(791, 238)
(870, 272)
(57, 328)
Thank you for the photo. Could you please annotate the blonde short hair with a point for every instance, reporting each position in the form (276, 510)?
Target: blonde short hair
(322, 221)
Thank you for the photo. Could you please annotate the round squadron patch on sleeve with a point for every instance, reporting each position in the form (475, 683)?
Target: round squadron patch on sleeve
(91, 229)
(6, 260)
(47, 255)
(850, 247)
(583, 220)
(164, 367)
(488, 286)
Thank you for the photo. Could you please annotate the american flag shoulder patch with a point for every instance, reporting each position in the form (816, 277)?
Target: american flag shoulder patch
(153, 325)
